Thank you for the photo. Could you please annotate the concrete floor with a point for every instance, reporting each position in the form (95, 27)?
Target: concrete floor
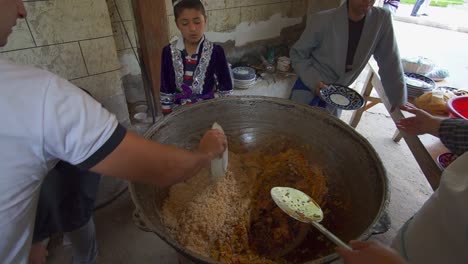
(445, 48)
(120, 241)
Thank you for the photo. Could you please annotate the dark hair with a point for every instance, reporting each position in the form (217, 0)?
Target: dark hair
(188, 4)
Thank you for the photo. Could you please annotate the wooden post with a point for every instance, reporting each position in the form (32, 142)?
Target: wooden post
(365, 92)
(428, 166)
(152, 30)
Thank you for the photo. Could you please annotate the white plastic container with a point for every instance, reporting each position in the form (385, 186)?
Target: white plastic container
(283, 64)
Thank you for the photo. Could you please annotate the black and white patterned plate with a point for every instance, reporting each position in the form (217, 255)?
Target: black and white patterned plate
(342, 97)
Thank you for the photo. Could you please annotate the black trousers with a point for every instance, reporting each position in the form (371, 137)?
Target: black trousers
(66, 200)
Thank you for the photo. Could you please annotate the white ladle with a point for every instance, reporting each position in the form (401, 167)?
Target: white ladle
(219, 166)
(303, 208)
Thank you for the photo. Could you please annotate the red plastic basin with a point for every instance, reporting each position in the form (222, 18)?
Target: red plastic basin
(458, 107)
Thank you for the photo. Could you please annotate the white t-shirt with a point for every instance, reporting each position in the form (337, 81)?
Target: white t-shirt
(438, 233)
(43, 118)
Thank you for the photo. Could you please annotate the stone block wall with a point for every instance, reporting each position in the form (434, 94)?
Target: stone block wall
(74, 39)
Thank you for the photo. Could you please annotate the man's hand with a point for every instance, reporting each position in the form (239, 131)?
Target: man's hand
(369, 252)
(213, 143)
(421, 123)
(37, 254)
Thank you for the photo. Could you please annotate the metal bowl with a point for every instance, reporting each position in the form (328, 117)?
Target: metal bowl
(353, 168)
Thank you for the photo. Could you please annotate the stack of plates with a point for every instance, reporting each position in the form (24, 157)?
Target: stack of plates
(244, 77)
(418, 84)
(240, 84)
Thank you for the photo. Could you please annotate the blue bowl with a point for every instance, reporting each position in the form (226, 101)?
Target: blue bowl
(445, 159)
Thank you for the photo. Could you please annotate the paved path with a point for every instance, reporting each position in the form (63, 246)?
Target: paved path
(451, 17)
(446, 48)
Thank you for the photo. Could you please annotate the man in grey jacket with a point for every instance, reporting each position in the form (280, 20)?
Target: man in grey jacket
(336, 46)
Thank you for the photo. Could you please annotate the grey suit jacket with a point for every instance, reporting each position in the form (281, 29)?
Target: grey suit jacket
(320, 53)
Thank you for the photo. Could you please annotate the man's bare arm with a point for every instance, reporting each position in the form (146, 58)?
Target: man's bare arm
(142, 160)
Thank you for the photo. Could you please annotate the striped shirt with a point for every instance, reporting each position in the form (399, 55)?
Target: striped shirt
(190, 64)
(453, 132)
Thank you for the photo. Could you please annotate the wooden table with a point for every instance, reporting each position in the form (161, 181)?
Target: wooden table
(426, 162)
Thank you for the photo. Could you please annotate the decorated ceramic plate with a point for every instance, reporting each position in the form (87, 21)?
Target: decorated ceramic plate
(342, 97)
(455, 91)
(418, 84)
(219, 166)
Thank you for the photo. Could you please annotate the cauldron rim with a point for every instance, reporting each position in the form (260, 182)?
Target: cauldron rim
(144, 223)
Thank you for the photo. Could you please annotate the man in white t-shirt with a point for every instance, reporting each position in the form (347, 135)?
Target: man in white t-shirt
(44, 118)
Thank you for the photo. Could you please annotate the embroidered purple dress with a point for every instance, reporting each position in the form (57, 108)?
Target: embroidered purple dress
(187, 79)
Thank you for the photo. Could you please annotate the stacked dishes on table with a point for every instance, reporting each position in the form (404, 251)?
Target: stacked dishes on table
(418, 84)
(244, 77)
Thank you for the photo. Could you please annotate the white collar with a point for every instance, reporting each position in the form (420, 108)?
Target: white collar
(180, 45)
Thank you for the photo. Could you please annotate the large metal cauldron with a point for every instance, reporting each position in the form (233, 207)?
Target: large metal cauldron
(352, 166)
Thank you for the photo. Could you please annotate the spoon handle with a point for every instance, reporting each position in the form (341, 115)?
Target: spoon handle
(331, 236)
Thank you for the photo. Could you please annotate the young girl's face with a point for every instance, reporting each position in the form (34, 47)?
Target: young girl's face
(191, 24)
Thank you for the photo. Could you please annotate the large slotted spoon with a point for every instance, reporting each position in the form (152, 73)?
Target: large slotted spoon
(303, 208)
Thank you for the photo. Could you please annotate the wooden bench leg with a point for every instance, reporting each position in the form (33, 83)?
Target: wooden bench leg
(397, 136)
(356, 117)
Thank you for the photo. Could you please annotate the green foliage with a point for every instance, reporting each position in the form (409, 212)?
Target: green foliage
(441, 3)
